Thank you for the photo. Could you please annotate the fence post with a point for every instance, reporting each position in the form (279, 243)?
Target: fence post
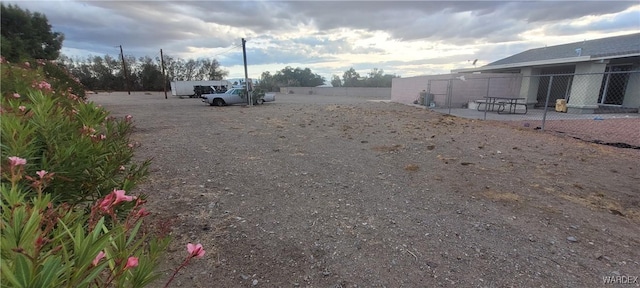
(449, 94)
(429, 91)
(486, 104)
(546, 102)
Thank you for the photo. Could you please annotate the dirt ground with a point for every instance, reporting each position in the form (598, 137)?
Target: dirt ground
(318, 191)
(620, 132)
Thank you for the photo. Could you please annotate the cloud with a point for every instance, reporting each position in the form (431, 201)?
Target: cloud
(403, 37)
(458, 21)
(620, 22)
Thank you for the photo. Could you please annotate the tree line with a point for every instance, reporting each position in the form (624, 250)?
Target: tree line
(143, 74)
(299, 77)
(27, 35)
(375, 78)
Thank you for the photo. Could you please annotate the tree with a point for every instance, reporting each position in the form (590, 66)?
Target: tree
(350, 78)
(297, 77)
(387, 79)
(105, 71)
(27, 35)
(149, 75)
(81, 70)
(335, 81)
(268, 82)
(144, 73)
(190, 70)
(375, 78)
(210, 70)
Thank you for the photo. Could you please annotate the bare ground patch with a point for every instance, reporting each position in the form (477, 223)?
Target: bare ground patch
(295, 194)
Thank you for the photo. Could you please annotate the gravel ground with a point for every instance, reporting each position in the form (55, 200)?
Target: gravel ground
(319, 191)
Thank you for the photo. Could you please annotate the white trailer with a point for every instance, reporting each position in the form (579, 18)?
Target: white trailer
(186, 88)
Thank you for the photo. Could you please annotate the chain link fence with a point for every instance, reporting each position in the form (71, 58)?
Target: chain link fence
(596, 107)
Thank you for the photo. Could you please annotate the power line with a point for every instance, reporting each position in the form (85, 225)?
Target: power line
(226, 51)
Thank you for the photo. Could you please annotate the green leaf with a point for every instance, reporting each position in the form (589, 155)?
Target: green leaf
(95, 272)
(28, 234)
(50, 271)
(133, 233)
(23, 271)
(9, 275)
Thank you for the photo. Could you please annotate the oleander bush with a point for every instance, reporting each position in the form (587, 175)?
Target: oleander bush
(47, 245)
(66, 164)
(56, 130)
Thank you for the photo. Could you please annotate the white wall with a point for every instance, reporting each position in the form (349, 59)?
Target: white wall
(474, 86)
(365, 92)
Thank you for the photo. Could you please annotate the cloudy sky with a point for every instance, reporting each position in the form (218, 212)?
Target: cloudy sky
(407, 38)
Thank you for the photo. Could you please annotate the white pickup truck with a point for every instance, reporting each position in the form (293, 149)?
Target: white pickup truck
(236, 96)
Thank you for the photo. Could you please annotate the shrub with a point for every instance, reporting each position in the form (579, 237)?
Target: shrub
(57, 131)
(62, 221)
(60, 77)
(44, 245)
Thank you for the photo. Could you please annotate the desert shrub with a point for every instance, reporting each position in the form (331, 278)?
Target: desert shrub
(48, 245)
(60, 77)
(64, 222)
(57, 131)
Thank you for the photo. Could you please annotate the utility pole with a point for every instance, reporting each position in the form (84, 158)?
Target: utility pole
(246, 75)
(124, 69)
(164, 77)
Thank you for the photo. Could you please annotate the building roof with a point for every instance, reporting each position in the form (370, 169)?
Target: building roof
(611, 46)
(588, 50)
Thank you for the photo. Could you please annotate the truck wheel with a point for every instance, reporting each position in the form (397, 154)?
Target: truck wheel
(218, 102)
(259, 101)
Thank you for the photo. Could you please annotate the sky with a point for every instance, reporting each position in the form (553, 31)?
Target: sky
(406, 38)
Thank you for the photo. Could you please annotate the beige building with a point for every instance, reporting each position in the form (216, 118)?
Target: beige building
(591, 75)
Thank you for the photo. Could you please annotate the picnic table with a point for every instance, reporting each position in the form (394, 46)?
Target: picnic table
(499, 104)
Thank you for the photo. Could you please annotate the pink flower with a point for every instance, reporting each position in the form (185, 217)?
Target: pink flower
(16, 95)
(122, 168)
(105, 204)
(44, 85)
(41, 173)
(142, 212)
(98, 258)
(86, 129)
(131, 262)
(16, 161)
(3, 60)
(195, 250)
(128, 118)
(120, 197)
(130, 145)
(27, 64)
(102, 137)
(22, 108)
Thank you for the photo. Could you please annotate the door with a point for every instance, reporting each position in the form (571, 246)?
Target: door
(614, 85)
(236, 96)
(560, 86)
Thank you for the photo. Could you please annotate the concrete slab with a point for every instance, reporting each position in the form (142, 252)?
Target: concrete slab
(532, 114)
